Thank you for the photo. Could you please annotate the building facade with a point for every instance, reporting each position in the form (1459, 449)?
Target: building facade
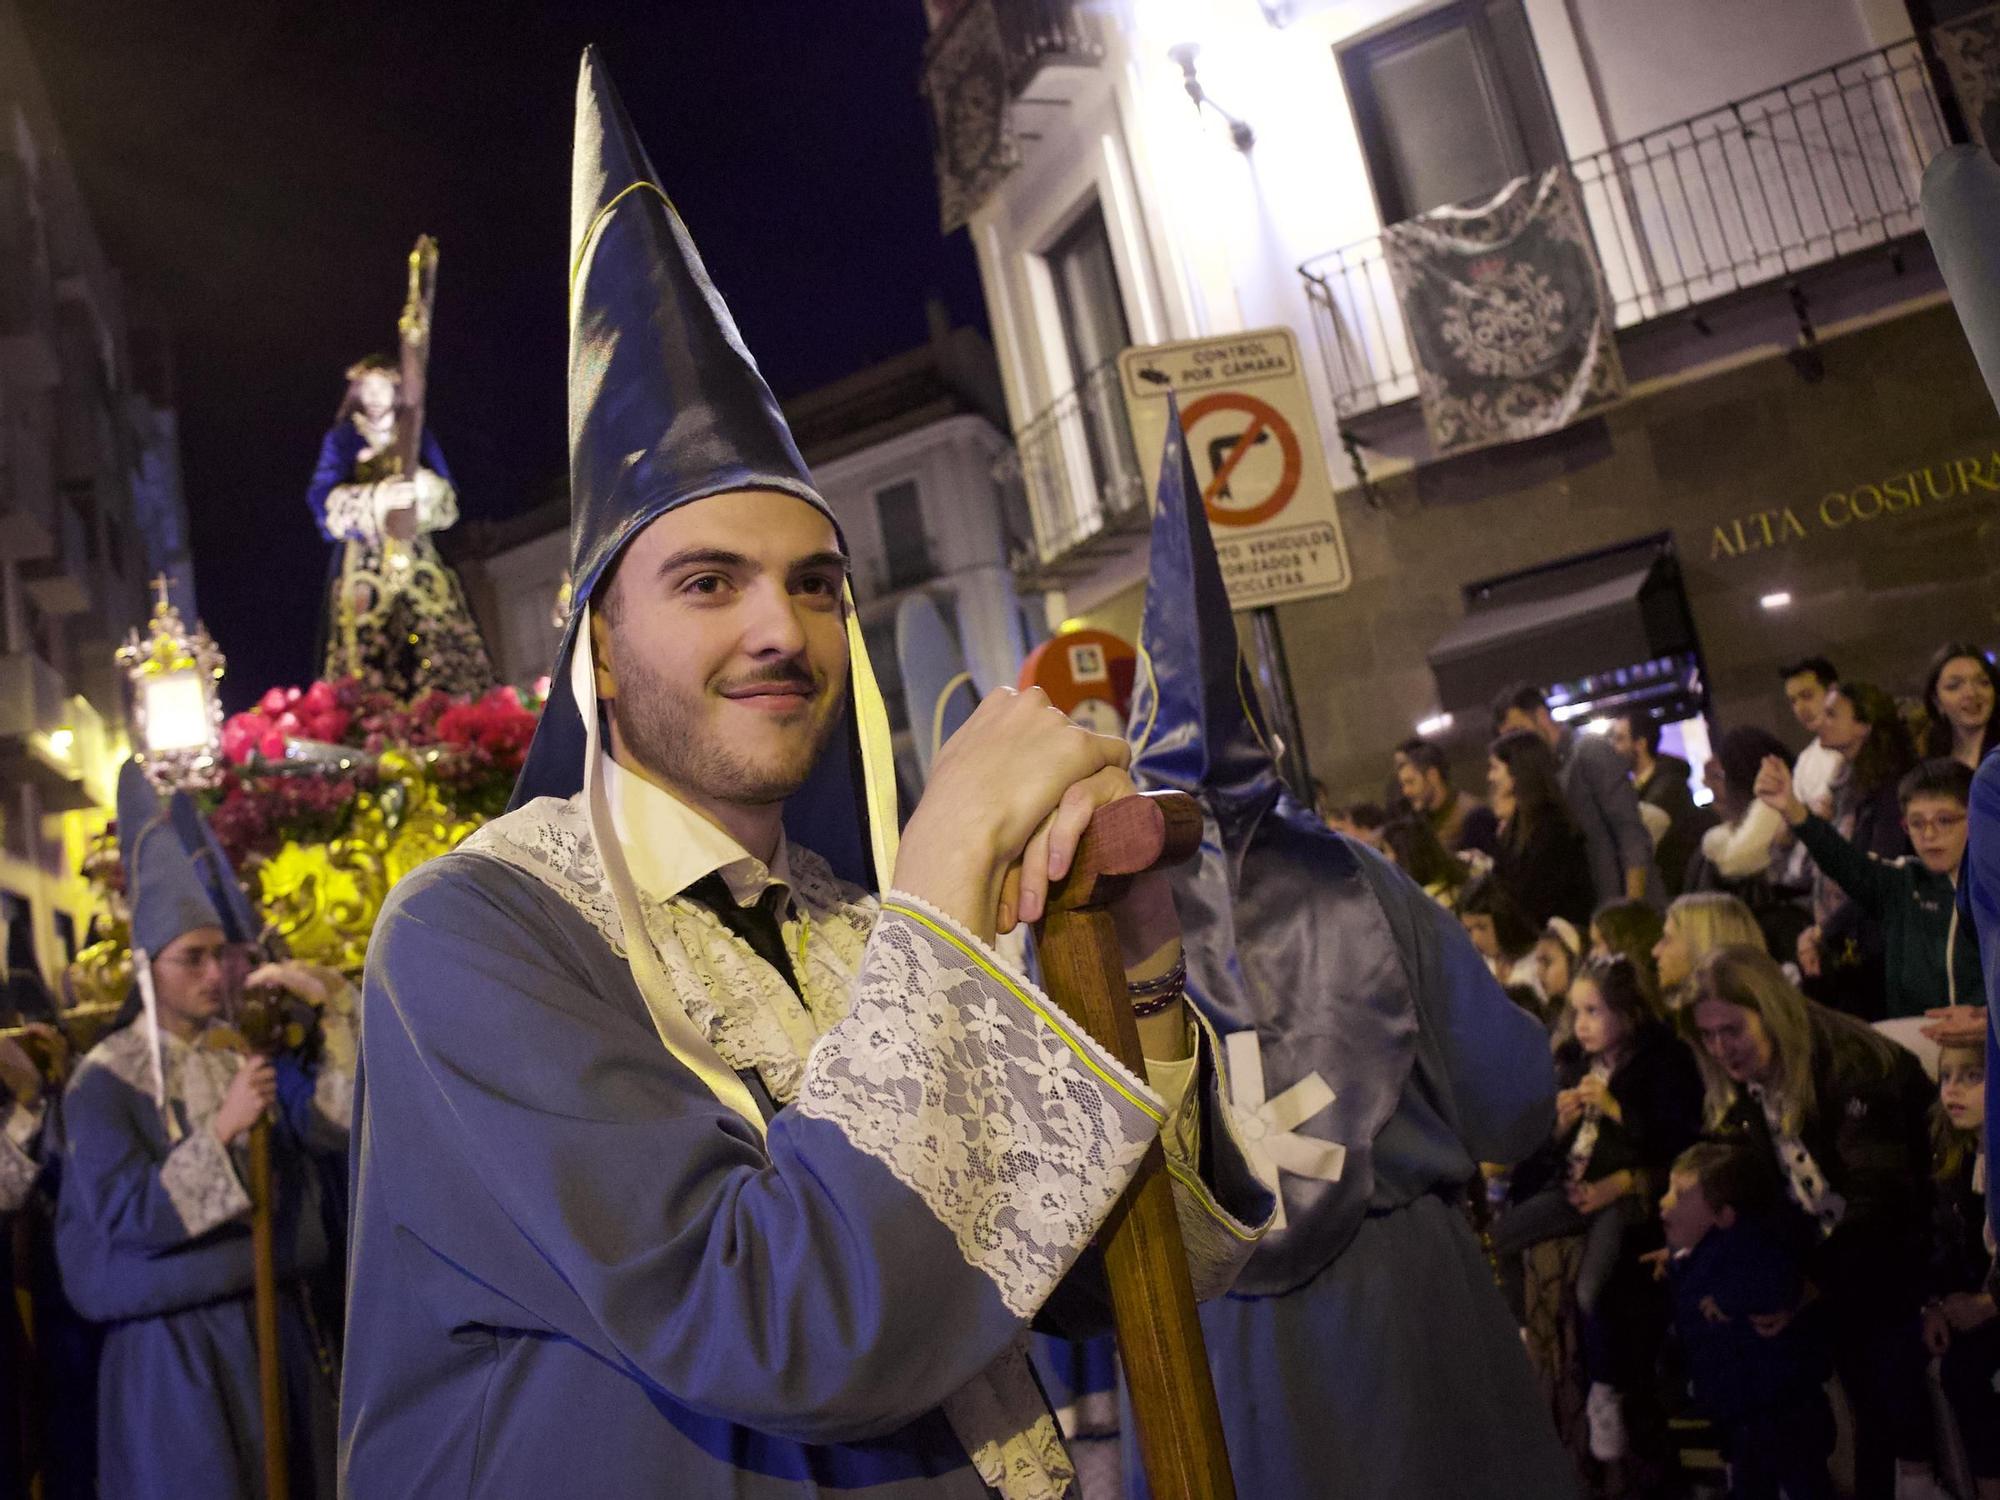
(90, 508)
(1800, 438)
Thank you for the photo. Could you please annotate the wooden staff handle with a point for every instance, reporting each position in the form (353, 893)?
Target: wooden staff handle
(1152, 1299)
(263, 1251)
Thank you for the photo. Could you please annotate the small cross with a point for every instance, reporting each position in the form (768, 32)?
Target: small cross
(160, 588)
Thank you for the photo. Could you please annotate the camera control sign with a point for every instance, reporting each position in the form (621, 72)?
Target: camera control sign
(1250, 430)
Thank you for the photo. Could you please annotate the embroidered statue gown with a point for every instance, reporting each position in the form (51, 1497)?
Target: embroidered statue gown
(395, 613)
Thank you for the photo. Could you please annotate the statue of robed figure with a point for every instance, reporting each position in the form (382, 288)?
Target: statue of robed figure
(395, 614)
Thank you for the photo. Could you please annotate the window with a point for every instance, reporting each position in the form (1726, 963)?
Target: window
(1091, 424)
(906, 551)
(1087, 295)
(1450, 107)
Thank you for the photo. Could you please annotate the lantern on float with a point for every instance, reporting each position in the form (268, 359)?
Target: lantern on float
(176, 699)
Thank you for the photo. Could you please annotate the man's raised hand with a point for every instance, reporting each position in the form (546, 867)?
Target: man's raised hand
(1009, 797)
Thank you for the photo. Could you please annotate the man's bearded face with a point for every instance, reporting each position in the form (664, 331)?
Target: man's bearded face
(727, 646)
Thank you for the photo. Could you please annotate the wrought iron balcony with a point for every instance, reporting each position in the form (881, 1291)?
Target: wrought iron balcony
(1081, 476)
(980, 62)
(1755, 192)
(1032, 34)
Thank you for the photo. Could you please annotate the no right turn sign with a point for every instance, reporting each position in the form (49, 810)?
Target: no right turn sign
(1250, 430)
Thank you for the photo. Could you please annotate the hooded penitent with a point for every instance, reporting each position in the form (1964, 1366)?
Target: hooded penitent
(666, 407)
(165, 894)
(1288, 952)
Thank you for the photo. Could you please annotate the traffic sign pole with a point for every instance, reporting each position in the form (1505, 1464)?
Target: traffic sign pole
(1282, 707)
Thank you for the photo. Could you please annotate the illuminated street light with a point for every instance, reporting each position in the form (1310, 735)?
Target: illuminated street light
(1779, 600)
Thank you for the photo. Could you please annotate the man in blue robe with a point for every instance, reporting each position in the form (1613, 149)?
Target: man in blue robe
(683, 1164)
(153, 1217)
(1374, 1062)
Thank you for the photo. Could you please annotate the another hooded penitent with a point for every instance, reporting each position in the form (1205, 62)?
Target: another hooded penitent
(153, 1220)
(634, 1208)
(1373, 1063)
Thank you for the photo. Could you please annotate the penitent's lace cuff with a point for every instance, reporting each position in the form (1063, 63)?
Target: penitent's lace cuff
(201, 1183)
(1016, 1130)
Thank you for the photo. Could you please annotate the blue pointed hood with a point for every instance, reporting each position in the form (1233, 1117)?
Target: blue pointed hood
(1961, 203)
(1290, 953)
(240, 923)
(163, 890)
(1195, 724)
(667, 407)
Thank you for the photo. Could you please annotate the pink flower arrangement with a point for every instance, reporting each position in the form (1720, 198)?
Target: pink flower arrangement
(320, 712)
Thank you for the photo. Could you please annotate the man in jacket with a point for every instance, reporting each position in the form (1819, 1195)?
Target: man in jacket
(1600, 797)
(1661, 781)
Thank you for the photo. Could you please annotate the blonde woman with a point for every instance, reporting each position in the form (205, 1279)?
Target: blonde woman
(1841, 1116)
(1697, 924)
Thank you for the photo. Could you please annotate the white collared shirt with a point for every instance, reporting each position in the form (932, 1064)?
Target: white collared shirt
(669, 846)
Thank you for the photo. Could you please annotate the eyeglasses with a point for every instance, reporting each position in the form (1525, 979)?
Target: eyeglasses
(198, 959)
(1923, 828)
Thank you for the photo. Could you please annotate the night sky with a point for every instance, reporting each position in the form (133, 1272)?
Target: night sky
(259, 171)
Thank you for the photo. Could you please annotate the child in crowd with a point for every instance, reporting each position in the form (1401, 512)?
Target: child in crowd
(1960, 1326)
(1756, 1373)
(1558, 952)
(1931, 957)
(1636, 1106)
(1493, 920)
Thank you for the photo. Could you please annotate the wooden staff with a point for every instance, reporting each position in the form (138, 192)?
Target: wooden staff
(1152, 1299)
(263, 1253)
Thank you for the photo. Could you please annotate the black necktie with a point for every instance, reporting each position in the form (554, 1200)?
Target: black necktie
(760, 924)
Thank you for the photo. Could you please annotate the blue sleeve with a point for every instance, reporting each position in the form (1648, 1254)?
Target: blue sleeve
(143, 1229)
(527, 1140)
(335, 467)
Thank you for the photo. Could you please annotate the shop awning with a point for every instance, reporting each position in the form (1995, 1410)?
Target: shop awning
(1560, 634)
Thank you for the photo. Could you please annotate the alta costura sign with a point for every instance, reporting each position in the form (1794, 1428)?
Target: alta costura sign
(1953, 482)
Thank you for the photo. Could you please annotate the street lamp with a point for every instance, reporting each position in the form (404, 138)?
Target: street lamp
(176, 710)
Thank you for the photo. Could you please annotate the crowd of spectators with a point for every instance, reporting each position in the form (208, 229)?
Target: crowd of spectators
(1763, 1198)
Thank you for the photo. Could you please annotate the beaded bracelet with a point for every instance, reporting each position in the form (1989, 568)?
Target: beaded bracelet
(1151, 996)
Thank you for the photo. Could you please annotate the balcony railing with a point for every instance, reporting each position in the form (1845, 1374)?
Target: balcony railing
(1033, 33)
(1079, 470)
(1754, 192)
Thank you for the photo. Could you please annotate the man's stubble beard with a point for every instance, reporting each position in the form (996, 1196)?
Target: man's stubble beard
(665, 734)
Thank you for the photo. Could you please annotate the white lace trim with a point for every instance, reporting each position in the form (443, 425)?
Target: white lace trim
(1014, 1133)
(350, 512)
(200, 1181)
(740, 1003)
(1029, 1462)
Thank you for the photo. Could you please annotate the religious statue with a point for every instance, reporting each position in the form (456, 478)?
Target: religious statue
(395, 613)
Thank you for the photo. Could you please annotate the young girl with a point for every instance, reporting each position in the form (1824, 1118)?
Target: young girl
(1637, 1107)
(1960, 1326)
